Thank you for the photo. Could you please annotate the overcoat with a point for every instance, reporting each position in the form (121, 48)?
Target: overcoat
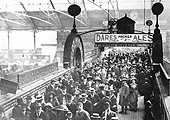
(124, 95)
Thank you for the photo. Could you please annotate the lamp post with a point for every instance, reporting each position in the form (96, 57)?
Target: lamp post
(157, 54)
(74, 10)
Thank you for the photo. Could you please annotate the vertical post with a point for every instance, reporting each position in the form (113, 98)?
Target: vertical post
(74, 30)
(34, 35)
(18, 81)
(157, 55)
(144, 13)
(9, 57)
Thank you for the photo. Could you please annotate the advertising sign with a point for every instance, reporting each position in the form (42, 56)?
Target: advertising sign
(123, 38)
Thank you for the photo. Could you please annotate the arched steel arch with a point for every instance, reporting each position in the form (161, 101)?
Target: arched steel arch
(73, 47)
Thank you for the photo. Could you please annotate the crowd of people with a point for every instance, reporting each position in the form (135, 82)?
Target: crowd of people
(92, 92)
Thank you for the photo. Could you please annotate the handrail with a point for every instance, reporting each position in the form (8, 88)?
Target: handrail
(12, 76)
(32, 90)
(164, 71)
(162, 96)
(32, 75)
(166, 65)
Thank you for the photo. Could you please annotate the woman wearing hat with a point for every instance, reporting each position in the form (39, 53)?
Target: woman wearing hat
(51, 97)
(123, 96)
(133, 96)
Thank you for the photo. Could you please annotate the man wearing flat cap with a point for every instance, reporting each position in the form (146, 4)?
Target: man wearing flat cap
(81, 114)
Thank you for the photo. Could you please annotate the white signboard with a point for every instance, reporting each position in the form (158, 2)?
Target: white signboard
(123, 38)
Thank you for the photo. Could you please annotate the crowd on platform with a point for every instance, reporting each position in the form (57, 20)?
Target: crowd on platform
(92, 92)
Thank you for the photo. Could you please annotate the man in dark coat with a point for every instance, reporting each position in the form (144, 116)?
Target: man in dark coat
(71, 106)
(103, 101)
(108, 114)
(39, 113)
(146, 90)
(81, 114)
(39, 100)
(87, 105)
(62, 98)
(17, 108)
(101, 93)
(123, 97)
(75, 75)
(48, 110)
(58, 92)
(93, 97)
(49, 88)
(24, 114)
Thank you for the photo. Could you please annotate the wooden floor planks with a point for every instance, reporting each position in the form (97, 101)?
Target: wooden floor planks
(133, 115)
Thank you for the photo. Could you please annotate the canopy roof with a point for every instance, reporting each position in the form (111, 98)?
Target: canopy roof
(53, 15)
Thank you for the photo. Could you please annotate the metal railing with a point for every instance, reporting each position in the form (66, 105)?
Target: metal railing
(161, 93)
(8, 104)
(31, 76)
